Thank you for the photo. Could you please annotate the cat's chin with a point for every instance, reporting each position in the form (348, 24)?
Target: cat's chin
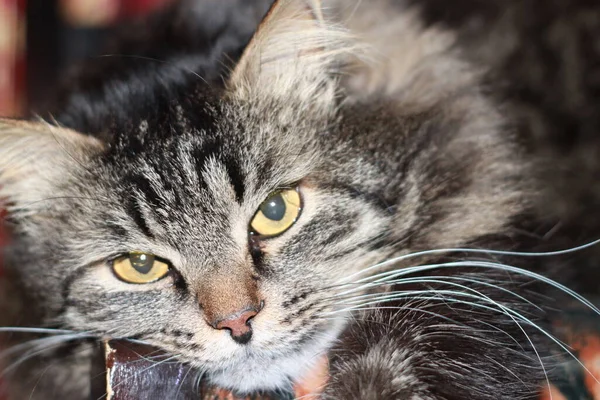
(254, 374)
(259, 372)
(259, 366)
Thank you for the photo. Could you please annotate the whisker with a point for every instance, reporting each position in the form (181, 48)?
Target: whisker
(37, 382)
(21, 329)
(505, 310)
(31, 343)
(505, 368)
(443, 280)
(475, 251)
(198, 380)
(57, 342)
(51, 365)
(183, 381)
(414, 295)
(489, 265)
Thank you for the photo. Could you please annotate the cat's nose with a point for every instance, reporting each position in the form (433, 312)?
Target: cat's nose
(238, 325)
(229, 298)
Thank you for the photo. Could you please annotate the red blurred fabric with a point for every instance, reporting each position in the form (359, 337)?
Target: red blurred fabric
(139, 7)
(12, 74)
(12, 56)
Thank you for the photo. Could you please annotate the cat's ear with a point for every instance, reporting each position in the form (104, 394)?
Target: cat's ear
(37, 156)
(295, 52)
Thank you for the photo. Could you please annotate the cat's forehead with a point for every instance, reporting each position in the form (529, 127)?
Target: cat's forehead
(208, 145)
(196, 173)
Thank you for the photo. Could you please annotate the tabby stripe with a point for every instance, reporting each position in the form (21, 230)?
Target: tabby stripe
(374, 199)
(134, 211)
(145, 186)
(235, 177)
(68, 282)
(117, 229)
(201, 154)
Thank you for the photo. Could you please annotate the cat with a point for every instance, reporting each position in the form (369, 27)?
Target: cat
(251, 207)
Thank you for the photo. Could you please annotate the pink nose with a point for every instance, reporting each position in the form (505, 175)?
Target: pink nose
(239, 326)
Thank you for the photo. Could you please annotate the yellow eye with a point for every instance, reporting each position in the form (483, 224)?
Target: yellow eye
(139, 268)
(277, 213)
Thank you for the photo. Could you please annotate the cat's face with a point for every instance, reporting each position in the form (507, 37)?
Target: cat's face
(193, 199)
(219, 228)
(222, 227)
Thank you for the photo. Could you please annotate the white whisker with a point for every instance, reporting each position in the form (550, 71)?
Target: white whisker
(475, 251)
(505, 310)
(36, 343)
(482, 264)
(21, 329)
(55, 341)
(443, 280)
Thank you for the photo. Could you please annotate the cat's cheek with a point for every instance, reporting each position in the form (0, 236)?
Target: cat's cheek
(267, 327)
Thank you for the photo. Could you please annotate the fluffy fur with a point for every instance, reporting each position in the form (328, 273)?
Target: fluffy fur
(381, 112)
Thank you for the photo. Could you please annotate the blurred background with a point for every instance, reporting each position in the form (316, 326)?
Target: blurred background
(40, 39)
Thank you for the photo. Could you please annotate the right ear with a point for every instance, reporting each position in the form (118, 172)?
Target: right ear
(35, 157)
(295, 53)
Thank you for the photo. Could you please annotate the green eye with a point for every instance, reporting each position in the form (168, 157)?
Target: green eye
(139, 268)
(277, 213)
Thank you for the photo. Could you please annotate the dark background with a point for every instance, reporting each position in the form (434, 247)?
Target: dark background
(55, 39)
(54, 44)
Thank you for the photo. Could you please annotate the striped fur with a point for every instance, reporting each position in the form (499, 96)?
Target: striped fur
(387, 122)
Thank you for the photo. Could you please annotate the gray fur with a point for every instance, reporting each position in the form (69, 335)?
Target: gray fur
(396, 146)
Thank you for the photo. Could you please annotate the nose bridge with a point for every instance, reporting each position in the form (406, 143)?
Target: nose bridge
(226, 292)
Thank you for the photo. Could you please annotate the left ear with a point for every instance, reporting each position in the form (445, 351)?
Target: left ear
(35, 157)
(294, 53)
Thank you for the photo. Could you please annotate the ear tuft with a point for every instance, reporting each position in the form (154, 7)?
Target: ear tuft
(35, 157)
(294, 53)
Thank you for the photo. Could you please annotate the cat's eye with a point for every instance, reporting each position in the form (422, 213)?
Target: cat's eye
(139, 268)
(277, 213)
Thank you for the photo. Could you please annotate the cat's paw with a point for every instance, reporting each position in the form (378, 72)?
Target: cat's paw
(381, 373)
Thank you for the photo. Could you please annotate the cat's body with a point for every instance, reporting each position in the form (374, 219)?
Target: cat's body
(405, 126)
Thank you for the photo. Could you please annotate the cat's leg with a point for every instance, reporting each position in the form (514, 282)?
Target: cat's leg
(438, 349)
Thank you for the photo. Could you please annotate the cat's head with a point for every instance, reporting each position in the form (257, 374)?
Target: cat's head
(222, 226)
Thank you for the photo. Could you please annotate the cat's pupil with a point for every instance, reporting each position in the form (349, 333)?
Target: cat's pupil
(274, 208)
(142, 263)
